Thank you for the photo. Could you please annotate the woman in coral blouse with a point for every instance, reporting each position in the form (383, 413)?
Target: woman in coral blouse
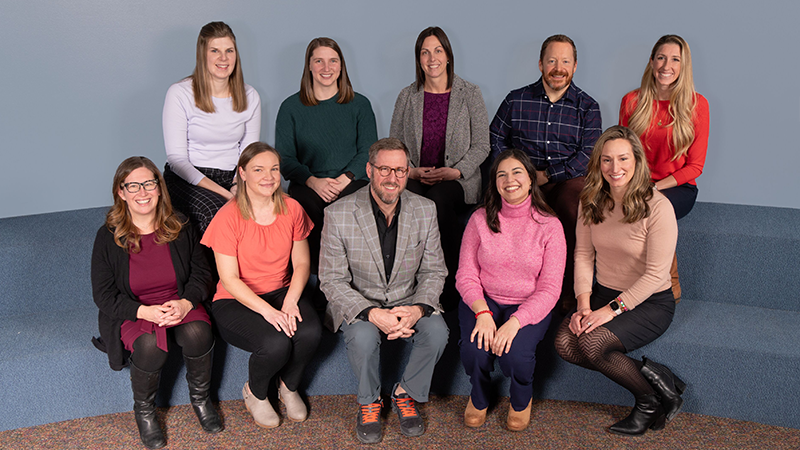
(671, 119)
(442, 120)
(208, 119)
(510, 271)
(625, 240)
(259, 243)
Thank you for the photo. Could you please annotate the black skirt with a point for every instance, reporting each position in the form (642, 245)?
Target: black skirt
(641, 325)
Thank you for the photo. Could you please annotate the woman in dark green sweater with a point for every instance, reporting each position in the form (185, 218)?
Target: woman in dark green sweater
(323, 134)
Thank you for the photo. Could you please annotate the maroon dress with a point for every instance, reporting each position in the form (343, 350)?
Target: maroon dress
(434, 129)
(153, 282)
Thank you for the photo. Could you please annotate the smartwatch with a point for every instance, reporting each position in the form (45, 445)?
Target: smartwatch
(615, 307)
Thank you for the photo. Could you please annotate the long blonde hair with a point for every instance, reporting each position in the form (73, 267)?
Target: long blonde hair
(682, 99)
(118, 219)
(201, 82)
(596, 194)
(242, 198)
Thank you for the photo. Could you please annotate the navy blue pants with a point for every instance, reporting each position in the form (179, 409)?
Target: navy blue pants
(518, 364)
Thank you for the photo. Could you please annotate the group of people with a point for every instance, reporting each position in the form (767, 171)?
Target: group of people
(561, 204)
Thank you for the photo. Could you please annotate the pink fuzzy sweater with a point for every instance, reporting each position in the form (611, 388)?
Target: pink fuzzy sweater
(522, 265)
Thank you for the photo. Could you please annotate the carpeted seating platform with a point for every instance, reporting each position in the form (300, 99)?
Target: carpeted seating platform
(734, 339)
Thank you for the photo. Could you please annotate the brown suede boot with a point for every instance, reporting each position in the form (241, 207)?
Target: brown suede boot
(519, 420)
(474, 417)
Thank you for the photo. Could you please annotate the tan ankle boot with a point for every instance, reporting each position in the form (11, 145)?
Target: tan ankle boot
(474, 417)
(519, 420)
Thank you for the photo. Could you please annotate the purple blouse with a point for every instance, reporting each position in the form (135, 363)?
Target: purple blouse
(153, 282)
(434, 129)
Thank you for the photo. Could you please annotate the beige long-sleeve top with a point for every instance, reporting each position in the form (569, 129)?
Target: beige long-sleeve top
(634, 258)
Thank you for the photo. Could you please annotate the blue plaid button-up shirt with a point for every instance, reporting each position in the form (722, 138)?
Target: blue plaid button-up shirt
(558, 136)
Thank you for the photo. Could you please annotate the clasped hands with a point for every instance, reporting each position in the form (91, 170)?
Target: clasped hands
(433, 175)
(397, 322)
(328, 189)
(166, 314)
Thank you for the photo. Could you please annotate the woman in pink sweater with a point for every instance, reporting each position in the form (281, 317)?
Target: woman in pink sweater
(625, 239)
(509, 275)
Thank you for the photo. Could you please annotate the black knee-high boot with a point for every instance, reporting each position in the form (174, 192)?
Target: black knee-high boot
(198, 375)
(145, 386)
(647, 413)
(666, 384)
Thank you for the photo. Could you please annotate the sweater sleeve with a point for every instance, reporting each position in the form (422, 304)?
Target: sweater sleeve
(548, 282)
(252, 127)
(584, 256)
(662, 237)
(105, 287)
(367, 135)
(286, 144)
(468, 280)
(696, 155)
(175, 123)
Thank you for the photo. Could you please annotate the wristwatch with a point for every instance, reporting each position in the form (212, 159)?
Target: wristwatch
(615, 307)
(350, 175)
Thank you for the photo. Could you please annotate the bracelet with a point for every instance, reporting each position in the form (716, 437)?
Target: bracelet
(622, 305)
(485, 311)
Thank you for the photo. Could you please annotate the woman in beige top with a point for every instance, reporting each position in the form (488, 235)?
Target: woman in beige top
(627, 231)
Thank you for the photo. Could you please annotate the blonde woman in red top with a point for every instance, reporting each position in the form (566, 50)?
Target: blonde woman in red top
(671, 119)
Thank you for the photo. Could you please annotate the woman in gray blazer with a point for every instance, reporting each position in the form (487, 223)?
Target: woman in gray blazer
(442, 120)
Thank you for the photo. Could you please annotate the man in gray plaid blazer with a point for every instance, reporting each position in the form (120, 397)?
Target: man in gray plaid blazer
(382, 270)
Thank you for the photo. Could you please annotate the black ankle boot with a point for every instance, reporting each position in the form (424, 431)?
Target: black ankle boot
(198, 375)
(647, 413)
(144, 386)
(667, 386)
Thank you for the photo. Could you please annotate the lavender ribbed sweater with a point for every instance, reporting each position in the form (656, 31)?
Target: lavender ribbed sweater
(521, 265)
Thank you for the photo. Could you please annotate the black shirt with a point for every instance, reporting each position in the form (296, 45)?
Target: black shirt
(387, 235)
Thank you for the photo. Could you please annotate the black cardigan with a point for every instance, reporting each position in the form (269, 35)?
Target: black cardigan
(112, 291)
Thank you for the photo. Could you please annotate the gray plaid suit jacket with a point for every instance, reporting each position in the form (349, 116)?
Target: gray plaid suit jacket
(351, 270)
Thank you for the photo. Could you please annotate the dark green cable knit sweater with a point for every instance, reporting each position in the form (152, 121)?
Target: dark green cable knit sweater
(325, 140)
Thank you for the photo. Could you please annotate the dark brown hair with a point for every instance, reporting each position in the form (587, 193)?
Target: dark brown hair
(493, 202)
(438, 33)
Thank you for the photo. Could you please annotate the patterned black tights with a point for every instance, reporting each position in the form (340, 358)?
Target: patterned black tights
(602, 351)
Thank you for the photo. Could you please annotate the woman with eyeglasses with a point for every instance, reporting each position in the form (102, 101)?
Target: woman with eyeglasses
(442, 120)
(208, 119)
(149, 277)
(323, 133)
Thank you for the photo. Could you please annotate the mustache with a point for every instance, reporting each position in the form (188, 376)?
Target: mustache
(554, 73)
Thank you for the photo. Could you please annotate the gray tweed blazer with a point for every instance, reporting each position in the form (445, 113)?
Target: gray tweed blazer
(467, 136)
(351, 271)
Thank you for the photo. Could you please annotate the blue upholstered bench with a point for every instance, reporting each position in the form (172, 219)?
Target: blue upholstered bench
(735, 337)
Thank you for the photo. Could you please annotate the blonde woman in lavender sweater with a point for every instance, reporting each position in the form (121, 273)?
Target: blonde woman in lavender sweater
(510, 270)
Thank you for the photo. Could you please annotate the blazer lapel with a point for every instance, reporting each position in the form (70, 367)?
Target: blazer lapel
(417, 105)
(366, 223)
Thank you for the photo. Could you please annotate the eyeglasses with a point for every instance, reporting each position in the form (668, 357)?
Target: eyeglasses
(133, 187)
(399, 172)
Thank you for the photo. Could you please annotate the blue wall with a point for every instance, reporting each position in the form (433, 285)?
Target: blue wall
(84, 81)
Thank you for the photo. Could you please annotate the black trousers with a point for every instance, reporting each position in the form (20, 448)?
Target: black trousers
(273, 352)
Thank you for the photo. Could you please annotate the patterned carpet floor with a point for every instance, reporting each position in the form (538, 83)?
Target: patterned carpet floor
(331, 425)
